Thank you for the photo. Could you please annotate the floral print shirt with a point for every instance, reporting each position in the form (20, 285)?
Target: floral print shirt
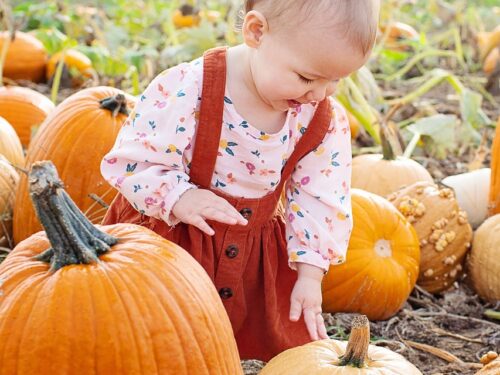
(150, 162)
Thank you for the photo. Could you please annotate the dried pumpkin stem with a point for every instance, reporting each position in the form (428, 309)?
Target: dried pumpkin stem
(73, 238)
(116, 104)
(357, 347)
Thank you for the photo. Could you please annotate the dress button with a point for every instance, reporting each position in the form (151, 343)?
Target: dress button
(246, 213)
(232, 251)
(225, 293)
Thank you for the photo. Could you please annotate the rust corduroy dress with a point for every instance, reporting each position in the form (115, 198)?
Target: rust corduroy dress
(248, 264)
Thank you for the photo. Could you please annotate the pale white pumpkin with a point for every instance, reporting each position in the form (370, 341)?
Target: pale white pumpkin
(483, 262)
(332, 357)
(471, 191)
(9, 178)
(10, 144)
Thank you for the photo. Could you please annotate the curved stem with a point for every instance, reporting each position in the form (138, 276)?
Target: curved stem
(116, 104)
(73, 238)
(356, 352)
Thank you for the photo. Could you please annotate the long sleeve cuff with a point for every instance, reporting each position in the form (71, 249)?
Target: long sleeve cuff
(308, 256)
(171, 199)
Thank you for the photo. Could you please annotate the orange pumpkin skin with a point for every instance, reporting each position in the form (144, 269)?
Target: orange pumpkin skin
(494, 198)
(146, 308)
(26, 57)
(382, 261)
(25, 109)
(75, 137)
(399, 31)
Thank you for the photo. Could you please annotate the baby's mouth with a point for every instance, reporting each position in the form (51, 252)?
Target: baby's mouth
(293, 103)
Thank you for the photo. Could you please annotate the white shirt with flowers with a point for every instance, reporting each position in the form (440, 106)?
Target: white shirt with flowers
(150, 162)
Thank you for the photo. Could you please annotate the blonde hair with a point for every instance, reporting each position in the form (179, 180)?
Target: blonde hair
(356, 19)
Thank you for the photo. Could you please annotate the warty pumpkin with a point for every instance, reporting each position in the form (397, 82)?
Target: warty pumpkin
(443, 230)
(382, 261)
(26, 57)
(10, 145)
(482, 264)
(116, 299)
(355, 357)
(9, 178)
(76, 136)
(494, 196)
(25, 109)
(472, 193)
(491, 362)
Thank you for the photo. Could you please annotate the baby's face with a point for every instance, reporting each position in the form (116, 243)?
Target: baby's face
(302, 66)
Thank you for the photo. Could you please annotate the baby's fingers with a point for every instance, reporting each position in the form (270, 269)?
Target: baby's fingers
(221, 216)
(320, 322)
(311, 323)
(295, 310)
(201, 224)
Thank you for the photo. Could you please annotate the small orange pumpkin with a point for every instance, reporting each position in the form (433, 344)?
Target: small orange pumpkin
(382, 261)
(26, 57)
(397, 34)
(76, 136)
(73, 60)
(25, 109)
(115, 299)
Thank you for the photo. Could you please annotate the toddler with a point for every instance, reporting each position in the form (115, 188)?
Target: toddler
(212, 143)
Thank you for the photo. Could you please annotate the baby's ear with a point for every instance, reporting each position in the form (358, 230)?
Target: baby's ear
(254, 27)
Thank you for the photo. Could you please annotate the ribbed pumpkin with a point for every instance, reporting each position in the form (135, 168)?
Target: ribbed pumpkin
(9, 178)
(382, 261)
(76, 136)
(494, 205)
(483, 265)
(385, 173)
(332, 357)
(26, 57)
(10, 145)
(118, 299)
(25, 109)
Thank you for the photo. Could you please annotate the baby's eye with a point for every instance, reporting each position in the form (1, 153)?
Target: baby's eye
(304, 79)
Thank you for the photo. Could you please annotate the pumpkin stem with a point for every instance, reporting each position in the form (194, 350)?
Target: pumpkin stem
(356, 352)
(116, 104)
(73, 238)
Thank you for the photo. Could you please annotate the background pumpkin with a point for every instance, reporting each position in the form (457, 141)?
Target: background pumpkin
(76, 136)
(140, 305)
(9, 178)
(356, 357)
(74, 60)
(494, 197)
(26, 57)
(483, 265)
(10, 145)
(443, 230)
(397, 34)
(24, 109)
(382, 261)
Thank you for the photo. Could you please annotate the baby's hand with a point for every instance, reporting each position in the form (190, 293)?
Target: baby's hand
(306, 297)
(197, 205)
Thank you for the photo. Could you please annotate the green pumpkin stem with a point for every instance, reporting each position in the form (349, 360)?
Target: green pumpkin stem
(116, 104)
(356, 352)
(73, 238)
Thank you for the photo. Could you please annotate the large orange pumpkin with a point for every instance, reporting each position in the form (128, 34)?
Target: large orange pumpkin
(382, 261)
(118, 299)
(25, 109)
(26, 57)
(10, 145)
(76, 136)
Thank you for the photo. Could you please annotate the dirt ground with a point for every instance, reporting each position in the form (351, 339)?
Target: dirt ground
(452, 325)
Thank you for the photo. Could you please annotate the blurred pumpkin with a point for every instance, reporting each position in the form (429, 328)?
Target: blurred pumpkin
(26, 57)
(383, 175)
(354, 125)
(74, 60)
(398, 34)
(494, 196)
(10, 145)
(25, 109)
(487, 41)
(472, 191)
(443, 230)
(76, 136)
(355, 357)
(186, 16)
(9, 178)
(483, 265)
(382, 261)
(491, 61)
(115, 299)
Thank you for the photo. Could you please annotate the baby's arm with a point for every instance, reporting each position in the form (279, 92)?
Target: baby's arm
(319, 221)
